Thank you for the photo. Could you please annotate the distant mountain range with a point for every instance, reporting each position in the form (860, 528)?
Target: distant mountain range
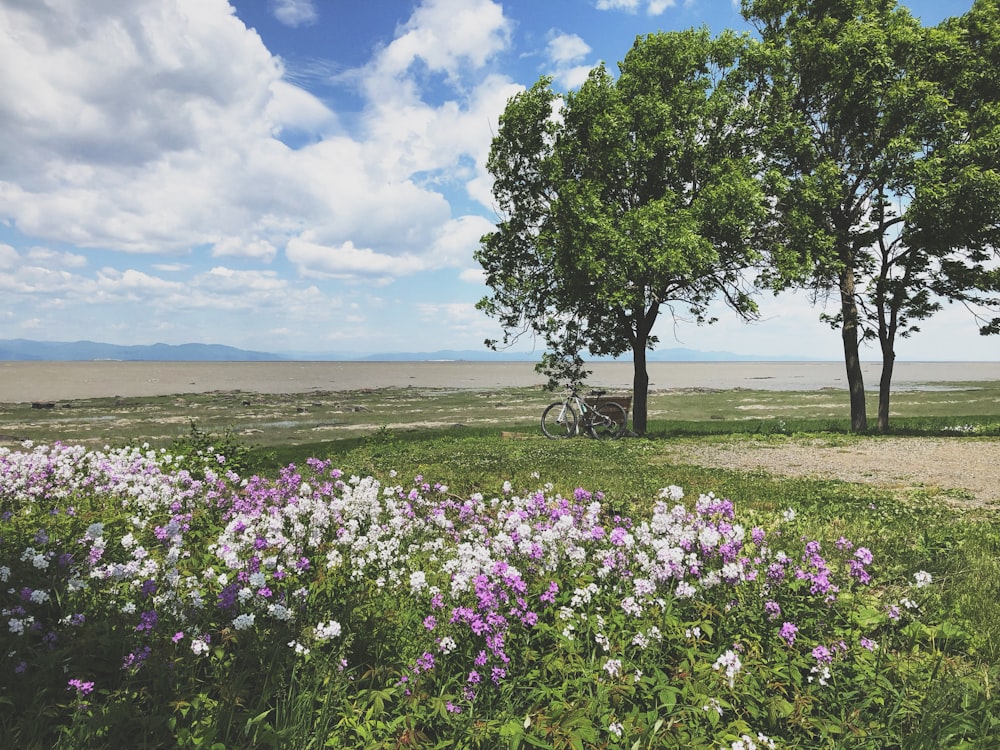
(23, 350)
(81, 351)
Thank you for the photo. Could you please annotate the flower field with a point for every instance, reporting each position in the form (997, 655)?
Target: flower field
(160, 600)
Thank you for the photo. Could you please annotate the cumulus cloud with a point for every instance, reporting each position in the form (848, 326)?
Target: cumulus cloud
(447, 35)
(566, 53)
(167, 129)
(653, 7)
(295, 12)
(154, 127)
(473, 276)
(567, 48)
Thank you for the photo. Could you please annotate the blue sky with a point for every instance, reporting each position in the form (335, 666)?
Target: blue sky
(304, 175)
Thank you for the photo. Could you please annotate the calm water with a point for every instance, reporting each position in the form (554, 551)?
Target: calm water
(49, 381)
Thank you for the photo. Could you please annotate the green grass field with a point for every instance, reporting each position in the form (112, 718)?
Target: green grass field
(928, 681)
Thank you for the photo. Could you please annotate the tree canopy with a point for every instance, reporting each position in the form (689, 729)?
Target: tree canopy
(630, 196)
(881, 142)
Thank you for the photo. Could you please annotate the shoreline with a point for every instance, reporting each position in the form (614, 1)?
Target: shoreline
(65, 381)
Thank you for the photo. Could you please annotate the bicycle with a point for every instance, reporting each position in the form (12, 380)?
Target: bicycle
(605, 420)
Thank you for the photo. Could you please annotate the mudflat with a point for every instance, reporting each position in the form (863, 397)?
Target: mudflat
(49, 381)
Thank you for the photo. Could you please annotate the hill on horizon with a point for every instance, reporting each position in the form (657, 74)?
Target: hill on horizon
(26, 350)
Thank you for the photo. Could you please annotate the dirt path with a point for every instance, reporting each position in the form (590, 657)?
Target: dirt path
(969, 468)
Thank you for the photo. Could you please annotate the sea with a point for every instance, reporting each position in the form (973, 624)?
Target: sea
(54, 381)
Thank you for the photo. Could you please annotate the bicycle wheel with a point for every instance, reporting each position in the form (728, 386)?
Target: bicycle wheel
(559, 420)
(608, 421)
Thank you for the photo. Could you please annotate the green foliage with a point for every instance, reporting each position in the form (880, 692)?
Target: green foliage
(930, 682)
(200, 451)
(881, 139)
(638, 197)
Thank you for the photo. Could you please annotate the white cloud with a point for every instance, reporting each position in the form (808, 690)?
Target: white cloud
(460, 318)
(446, 36)
(49, 258)
(238, 247)
(653, 7)
(473, 276)
(295, 12)
(9, 257)
(567, 48)
(565, 53)
(630, 6)
(156, 128)
(294, 108)
(459, 239)
(346, 261)
(151, 127)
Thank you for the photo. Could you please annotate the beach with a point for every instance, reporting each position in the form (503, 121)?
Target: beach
(51, 381)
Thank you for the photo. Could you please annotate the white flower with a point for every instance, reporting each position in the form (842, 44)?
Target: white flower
(447, 645)
(923, 578)
(673, 492)
(4, 574)
(243, 622)
(280, 612)
(789, 514)
(199, 646)
(327, 630)
(418, 581)
(713, 705)
(39, 597)
(616, 728)
(732, 664)
(613, 667)
(299, 648)
(684, 590)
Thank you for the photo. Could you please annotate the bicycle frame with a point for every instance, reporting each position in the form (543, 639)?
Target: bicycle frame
(592, 420)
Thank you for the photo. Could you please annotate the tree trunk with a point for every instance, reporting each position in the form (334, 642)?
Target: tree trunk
(643, 321)
(640, 388)
(852, 360)
(884, 387)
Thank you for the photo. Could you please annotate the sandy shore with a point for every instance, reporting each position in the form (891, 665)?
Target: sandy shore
(39, 381)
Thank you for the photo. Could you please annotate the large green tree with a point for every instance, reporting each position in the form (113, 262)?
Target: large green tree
(626, 198)
(863, 121)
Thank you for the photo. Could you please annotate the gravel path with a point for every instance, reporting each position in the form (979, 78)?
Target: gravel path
(969, 467)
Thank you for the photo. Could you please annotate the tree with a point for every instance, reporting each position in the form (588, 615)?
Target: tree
(636, 195)
(859, 132)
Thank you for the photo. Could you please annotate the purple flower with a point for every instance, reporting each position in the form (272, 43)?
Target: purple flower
(822, 655)
(788, 632)
(147, 621)
(430, 622)
(82, 688)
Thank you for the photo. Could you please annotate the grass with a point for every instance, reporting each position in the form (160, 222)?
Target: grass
(330, 417)
(458, 438)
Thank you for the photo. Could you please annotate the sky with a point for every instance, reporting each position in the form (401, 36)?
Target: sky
(307, 175)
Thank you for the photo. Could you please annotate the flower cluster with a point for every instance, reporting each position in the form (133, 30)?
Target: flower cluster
(181, 565)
